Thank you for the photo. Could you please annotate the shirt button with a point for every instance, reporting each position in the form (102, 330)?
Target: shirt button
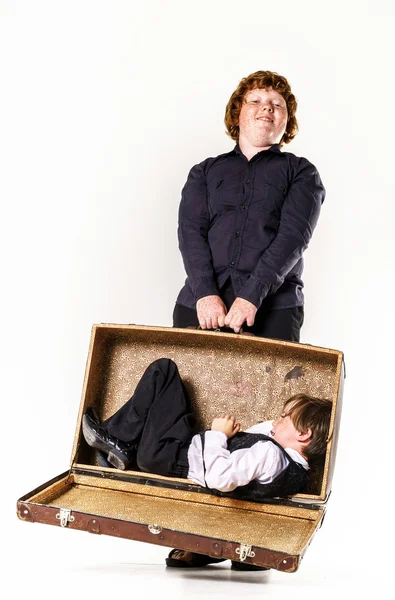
(232, 264)
(237, 234)
(248, 181)
(242, 207)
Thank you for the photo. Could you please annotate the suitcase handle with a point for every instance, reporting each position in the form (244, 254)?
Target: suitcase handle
(222, 330)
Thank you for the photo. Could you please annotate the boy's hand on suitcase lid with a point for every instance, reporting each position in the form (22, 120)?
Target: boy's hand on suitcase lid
(226, 425)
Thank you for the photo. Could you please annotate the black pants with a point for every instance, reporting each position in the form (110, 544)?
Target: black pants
(158, 418)
(279, 323)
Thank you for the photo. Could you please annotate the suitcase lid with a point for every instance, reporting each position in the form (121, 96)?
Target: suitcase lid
(247, 376)
(262, 534)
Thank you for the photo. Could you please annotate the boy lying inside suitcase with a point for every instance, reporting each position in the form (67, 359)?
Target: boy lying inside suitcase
(154, 430)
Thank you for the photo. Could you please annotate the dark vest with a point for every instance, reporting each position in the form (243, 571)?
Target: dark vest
(292, 480)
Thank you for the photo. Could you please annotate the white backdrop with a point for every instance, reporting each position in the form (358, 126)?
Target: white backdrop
(104, 107)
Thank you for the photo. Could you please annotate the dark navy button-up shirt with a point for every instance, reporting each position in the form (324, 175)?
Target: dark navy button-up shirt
(250, 221)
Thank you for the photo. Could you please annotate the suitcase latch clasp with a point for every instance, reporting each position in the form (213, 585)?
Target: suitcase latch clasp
(244, 551)
(65, 517)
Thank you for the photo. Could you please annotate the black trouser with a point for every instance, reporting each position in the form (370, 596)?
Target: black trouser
(279, 323)
(158, 418)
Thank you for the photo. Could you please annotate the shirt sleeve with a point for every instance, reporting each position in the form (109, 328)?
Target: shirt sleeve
(193, 227)
(226, 470)
(298, 219)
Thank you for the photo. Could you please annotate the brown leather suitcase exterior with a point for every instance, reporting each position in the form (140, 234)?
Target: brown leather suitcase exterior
(224, 373)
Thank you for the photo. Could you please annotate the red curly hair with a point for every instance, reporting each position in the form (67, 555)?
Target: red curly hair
(261, 80)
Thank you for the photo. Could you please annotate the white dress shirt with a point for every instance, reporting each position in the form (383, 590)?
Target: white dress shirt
(227, 470)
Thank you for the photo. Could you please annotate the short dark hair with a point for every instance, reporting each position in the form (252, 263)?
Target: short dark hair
(261, 80)
(307, 412)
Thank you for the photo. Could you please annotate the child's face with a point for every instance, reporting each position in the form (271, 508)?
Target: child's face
(284, 431)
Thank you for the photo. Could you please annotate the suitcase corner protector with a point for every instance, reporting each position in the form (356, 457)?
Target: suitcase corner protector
(288, 564)
(24, 512)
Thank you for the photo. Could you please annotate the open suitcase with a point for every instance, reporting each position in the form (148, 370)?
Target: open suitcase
(224, 373)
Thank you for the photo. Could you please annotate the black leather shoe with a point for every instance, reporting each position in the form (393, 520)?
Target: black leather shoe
(102, 460)
(91, 411)
(101, 456)
(241, 566)
(118, 453)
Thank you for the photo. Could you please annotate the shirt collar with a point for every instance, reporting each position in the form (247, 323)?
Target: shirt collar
(294, 453)
(273, 148)
(297, 457)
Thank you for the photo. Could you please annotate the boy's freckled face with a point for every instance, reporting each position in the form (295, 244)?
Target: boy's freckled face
(284, 431)
(263, 117)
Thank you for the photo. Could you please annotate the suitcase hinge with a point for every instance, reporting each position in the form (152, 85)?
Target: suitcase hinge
(65, 517)
(245, 551)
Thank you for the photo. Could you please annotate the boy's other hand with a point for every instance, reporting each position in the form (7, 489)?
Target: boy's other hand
(227, 425)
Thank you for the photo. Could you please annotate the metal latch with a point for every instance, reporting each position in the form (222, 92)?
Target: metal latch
(65, 517)
(244, 551)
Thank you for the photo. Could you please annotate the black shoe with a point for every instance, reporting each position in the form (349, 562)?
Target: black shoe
(197, 560)
(102, 460)
(241, 566)
(118, 453)
(102, 456)
(91, 412)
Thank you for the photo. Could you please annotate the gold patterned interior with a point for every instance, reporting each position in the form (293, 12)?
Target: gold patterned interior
(282, 529)
(223, 373)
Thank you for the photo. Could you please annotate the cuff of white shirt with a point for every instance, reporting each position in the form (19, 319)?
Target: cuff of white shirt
(215, 438)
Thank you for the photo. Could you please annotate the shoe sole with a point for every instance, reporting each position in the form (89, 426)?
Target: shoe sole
(116, 458)
(102, 460)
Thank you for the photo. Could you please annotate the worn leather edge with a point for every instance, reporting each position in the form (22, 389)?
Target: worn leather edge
(165, 537)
